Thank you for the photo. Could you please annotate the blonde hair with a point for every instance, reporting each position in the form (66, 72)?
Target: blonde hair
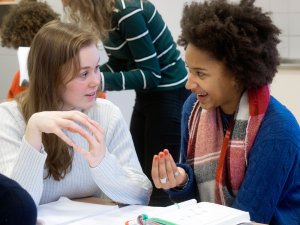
(95, 15)
(54, 50)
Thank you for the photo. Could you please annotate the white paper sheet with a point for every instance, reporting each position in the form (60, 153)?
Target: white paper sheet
(65, 211)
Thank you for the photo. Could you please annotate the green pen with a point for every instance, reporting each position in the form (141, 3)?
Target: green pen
(160, 221)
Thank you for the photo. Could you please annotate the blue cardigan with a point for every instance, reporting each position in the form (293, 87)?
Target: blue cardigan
(270, 191)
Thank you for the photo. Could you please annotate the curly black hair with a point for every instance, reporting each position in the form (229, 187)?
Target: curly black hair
(239, 35)
(21, 24)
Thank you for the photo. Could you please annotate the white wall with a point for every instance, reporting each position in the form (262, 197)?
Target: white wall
(284, 87)
(8, 67)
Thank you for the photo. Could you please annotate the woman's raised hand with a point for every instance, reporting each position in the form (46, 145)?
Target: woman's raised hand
(56, 121)
(96, 141)
(165, 173)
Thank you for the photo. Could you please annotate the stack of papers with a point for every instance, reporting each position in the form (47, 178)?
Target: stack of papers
(66, 211)
(204, 213)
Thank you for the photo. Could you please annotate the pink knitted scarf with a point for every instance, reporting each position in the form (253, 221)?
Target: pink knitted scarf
(220, 161)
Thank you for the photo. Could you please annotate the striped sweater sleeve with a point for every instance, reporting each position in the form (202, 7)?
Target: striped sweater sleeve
(141, 50)
(19, 160)
(143, 72)
(120, 175)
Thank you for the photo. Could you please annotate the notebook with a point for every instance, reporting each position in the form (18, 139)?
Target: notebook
(66, 211)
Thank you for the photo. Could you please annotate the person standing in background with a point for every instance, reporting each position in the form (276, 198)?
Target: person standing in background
(142, 56)
(57, 138)
(240, 145)
(18, 29)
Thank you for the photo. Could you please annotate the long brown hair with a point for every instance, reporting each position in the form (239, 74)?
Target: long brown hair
(95, 15)
(52, 62)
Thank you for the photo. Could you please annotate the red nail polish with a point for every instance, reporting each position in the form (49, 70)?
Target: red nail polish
(161, 155)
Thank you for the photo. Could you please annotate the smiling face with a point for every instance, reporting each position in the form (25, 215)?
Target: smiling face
(211, 81)
(80, 93)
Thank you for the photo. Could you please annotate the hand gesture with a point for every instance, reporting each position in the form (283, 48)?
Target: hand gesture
(165, 173)
(55, 121)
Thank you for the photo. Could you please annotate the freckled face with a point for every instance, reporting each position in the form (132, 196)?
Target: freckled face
(211, 81)
(81, 91)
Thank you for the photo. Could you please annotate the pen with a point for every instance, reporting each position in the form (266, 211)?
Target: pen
(144, 220)
(141, 219)
(161, 221)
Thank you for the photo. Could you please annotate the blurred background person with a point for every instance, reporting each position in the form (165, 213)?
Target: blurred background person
(19, 27)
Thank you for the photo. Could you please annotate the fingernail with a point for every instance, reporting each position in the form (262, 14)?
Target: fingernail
(155, 157)
(161, 155)
(166, 152)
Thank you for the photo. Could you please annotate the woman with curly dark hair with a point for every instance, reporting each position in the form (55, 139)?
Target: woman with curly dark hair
(19, 27)
(240, 146)
(24, 21)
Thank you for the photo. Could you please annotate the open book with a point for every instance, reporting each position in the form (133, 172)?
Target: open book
(65, 211)
(203, 213)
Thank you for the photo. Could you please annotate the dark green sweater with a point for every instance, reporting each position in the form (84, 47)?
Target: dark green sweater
(142, 53)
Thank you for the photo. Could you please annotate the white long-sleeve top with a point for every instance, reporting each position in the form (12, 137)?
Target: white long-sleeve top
(119, 176)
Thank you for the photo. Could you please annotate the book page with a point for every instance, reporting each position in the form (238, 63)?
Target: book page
(66, 211)
(130, 213)
(118, 217)
(205, 213)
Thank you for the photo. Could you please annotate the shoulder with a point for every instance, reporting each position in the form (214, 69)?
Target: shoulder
(279, 133)
(131, 4)
(105, 105)
(280, 122)
(104, 111)
(125, 7)
(124, 4)
(109, 117)
(9, 107)
(129, 8)
(9, 111)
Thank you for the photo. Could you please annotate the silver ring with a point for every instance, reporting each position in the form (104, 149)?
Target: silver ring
(176, 173)
(163, 180)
